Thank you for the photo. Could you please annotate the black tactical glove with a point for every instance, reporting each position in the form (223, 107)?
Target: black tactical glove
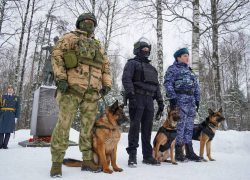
(63, 85)
(160, 110)
(197, 105)
(173, 103)
(105, 90)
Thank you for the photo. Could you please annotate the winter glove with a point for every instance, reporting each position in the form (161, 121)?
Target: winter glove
(197, 105)
(160, 110)
(173, 103)
(105, 90)
(63, 85)
(15, 120)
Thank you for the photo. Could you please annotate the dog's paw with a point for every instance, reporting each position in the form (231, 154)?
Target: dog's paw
(204, 160)
(118, 169)
(211, 159)
(168, 161)
(174, 163)
(109, 171)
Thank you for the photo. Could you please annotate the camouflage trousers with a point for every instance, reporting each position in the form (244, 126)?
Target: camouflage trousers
(68, 106)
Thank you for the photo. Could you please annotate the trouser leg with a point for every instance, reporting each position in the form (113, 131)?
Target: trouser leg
(146, 128)
(68, 104)
(88, 108)
(6, 140)
(134, 130)
(188, 130)
(180, 127)
(1, 140)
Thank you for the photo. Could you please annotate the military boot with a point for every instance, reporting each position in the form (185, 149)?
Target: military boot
(179, 155)
(190, 153)
(132, 160)
(90, 165)
(56, 170)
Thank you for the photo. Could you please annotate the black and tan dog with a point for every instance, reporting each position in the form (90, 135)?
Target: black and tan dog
(105, 139)
(205, 131)
(164, 142)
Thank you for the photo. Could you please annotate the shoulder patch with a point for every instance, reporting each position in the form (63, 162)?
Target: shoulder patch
(97, 41)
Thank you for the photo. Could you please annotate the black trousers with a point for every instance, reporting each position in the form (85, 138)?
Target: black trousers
(4, 140)
(142, 115)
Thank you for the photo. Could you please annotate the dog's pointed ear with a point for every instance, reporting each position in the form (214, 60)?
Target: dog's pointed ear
(115, 106)
(169, 109)
(220, 110)
(210, 111)
(122, 106)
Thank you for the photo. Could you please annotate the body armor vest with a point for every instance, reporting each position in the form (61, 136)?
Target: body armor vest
(146, 73)
(89, 52)
(185, 79)
(202, 127)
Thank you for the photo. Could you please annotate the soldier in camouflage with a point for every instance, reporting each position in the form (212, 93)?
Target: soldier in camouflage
(81, 68)
(182, 89)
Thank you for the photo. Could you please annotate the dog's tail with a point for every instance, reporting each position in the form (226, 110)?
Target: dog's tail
(72, 162)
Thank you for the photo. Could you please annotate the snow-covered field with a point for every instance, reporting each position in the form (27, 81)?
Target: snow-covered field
(231, 149)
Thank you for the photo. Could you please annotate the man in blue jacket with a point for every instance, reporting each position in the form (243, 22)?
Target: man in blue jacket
(140, 81)
(182, 89)
(9, 113)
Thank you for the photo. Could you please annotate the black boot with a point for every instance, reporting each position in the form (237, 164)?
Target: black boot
(132, 160)
(190, 153)
(151, 161)
(179, 155)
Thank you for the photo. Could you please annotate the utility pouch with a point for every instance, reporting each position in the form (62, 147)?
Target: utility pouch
(98, 56)
(70, 59)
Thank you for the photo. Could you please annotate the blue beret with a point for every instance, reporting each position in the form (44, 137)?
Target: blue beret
(180, 52)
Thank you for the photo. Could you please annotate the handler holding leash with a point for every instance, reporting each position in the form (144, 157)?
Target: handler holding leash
(182, 89)
(140, 81)
(9, 113)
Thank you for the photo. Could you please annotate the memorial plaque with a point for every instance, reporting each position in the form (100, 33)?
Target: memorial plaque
(45, 112)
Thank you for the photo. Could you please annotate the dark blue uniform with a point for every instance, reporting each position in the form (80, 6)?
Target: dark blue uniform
(181, 84)
(10, 109)
(134, 84)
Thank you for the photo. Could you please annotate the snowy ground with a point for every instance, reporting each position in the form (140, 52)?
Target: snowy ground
(230, 149)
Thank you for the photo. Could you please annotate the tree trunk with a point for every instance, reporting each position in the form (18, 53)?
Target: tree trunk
(159, 44)
(93, 7)
(2, 14)
(195, 38)
(20, 47)
(26, 51)
(107, 27)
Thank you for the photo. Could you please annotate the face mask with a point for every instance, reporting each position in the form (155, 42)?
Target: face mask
(88, 27)
(145, 53)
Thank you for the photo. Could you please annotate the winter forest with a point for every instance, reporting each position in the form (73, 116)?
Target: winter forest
(216, 33)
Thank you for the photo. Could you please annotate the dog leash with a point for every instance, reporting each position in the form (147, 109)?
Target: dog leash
(104, 100)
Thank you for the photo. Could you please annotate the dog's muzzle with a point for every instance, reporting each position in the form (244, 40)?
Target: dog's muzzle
(121, 121)
(176, 118)
(220, 119)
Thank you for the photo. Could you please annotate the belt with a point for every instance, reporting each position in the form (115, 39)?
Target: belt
(147, 93)
(184, 92)
(11, 109)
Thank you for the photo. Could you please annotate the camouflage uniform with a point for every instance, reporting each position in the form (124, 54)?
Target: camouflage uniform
(179, 77)
(85, 81)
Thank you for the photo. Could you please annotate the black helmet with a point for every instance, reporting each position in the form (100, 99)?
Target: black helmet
(85, 16)
(141, 43)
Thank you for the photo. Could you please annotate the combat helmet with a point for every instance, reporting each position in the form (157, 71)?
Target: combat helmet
(85, 16)
(138, 45)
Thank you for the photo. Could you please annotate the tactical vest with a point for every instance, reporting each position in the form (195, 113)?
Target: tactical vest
(171, 135)
(185, 79)
(202, 127)
(88, 52)
(145, 73)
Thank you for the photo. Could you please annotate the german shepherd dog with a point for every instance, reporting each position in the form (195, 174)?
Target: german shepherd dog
(164, 142)
(105, 139)
(205, 132)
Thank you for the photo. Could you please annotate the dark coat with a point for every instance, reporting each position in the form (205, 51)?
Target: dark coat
(128, 75)
(7, 117)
